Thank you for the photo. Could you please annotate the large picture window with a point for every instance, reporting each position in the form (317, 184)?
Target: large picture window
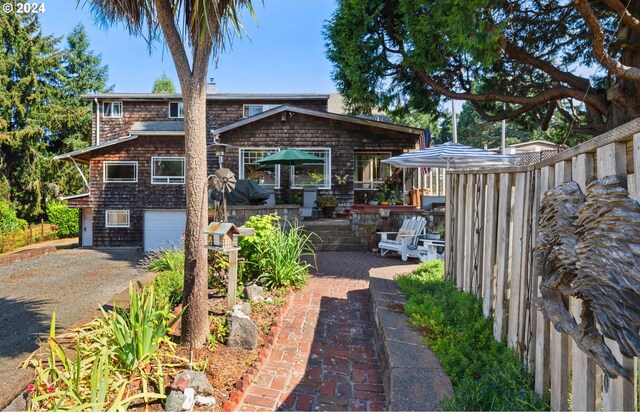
(112, 109)
(265, 176)
(121, 172)
(167, 170)
(313, 174)
(117, 218)
(370, 171)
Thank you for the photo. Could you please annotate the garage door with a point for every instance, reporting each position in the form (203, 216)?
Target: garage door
(163, 228)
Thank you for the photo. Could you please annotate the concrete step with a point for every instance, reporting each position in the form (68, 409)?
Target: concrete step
(342, 240)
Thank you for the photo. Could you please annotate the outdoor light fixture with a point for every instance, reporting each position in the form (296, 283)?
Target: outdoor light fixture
(220, 148)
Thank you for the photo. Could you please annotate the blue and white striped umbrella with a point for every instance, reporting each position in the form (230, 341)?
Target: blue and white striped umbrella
(452, 156)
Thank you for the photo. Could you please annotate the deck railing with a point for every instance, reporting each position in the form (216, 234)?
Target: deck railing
(491, 226)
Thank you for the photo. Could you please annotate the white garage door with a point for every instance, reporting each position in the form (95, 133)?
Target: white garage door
(163, 228)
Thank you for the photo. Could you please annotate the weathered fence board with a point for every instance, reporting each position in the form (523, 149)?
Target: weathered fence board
(502, 258)
(516, 300)
(460, 231)
(478, 238)
(489, 262)
(469, 231)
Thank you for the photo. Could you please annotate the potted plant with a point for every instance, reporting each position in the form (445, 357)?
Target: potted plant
(436, 233)
(328, 204)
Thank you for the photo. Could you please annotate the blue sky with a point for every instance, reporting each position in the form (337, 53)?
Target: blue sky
(284, 52)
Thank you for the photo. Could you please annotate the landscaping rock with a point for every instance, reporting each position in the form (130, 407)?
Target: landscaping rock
(198, 381)
(205, 400)
(243, 333)
(174, 401)
(239, 312)
(255, 293)
(189, 399)
(246, 308)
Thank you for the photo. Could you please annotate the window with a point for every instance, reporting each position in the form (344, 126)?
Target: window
(176, 110)
(253, 109)
(117, 218)
(370, 171)
(121, 172)
(313, 174)
(112, 109)
(167, 170)
(265, 176)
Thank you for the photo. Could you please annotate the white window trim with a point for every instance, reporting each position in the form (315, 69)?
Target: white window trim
(176, 117)
(327, 168)
(111, 115)
(106, 218)
(265, 107)
(184, 170)
(241, 163)
(357, 183)
(121, 163)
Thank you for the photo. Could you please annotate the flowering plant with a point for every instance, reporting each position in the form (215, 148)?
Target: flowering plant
(327, 201)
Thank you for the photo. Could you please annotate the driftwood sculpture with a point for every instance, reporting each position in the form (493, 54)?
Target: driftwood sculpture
(589, 248)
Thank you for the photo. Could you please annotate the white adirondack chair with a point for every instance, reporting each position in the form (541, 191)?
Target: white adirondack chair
(405, 242)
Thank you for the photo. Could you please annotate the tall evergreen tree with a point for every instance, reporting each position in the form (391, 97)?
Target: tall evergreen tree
(163, 84)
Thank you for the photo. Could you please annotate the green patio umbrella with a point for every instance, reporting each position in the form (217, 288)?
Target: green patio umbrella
(290, 157)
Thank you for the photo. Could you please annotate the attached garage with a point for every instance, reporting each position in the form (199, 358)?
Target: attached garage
(163, 228)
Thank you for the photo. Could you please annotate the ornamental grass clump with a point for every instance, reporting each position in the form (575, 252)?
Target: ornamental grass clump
(486, 375)
(117, 359)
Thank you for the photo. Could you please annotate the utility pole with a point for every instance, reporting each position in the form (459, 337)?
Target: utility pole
(454, 125)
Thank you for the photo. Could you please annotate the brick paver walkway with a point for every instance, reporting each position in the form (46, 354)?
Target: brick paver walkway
(324, 357)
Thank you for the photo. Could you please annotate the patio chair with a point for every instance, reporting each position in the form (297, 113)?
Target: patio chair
(309, 196)
(406, 239)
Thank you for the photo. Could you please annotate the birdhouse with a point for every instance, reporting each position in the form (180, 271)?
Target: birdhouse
(224, 236)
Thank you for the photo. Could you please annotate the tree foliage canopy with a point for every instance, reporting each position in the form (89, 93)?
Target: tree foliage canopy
(163, 84)
(400, 54)
(41, 110)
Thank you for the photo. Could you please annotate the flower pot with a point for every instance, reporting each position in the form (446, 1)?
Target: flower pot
(327, 211)
(384, 203)
(433, 236)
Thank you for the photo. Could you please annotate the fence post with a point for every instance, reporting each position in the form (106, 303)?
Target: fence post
(42, 228)
(30, 233)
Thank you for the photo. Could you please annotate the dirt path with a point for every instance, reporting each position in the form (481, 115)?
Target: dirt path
(324, 357)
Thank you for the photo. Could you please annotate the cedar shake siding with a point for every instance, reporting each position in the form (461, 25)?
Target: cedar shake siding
(300, 131)
(219, 113)
(135, 197)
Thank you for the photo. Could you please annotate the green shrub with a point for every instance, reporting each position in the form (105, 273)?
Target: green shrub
(64, 218)
(486, 375)
(252, 247)
(9, 224)
(169, 284)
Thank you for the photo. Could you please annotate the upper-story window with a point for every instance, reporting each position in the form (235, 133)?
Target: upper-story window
(112, 109)
(176, 110)
(121, 172)
(167, 170)
(253, 109)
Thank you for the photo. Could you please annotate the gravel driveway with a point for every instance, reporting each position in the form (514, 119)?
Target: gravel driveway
(73, 283)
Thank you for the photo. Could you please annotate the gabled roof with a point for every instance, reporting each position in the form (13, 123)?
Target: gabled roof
(82, 155)
(212, 96)
(317, 113)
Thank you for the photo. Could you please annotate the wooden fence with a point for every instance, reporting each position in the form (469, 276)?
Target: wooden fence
(491, 226)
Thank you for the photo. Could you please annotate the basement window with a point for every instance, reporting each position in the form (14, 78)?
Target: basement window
(117, 218)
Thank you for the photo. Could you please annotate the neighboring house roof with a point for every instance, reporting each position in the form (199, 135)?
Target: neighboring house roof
(82, 155)
(158, 128)
(215, 96)
(535, 143)
(75, 196)
(316, 113)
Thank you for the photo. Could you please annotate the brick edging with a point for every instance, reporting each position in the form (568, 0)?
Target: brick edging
(237, 394)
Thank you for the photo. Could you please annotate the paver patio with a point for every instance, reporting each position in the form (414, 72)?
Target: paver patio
(323, 357)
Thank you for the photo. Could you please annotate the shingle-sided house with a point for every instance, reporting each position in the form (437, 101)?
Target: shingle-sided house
(135, 193)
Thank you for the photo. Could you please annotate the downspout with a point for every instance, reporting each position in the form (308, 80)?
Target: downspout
(95, 99)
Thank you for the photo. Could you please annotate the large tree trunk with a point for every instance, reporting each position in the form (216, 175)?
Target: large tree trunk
(196, 314)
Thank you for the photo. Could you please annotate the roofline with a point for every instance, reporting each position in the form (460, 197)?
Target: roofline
(89, 149)
(542, 142)
(325, 115)
(212, 96)
(159, 133)
(75, 196)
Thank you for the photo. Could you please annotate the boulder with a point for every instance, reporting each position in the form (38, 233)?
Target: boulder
(243, 333)
(174, 401)
(238, 312)
(196, 380)
(255, 293)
